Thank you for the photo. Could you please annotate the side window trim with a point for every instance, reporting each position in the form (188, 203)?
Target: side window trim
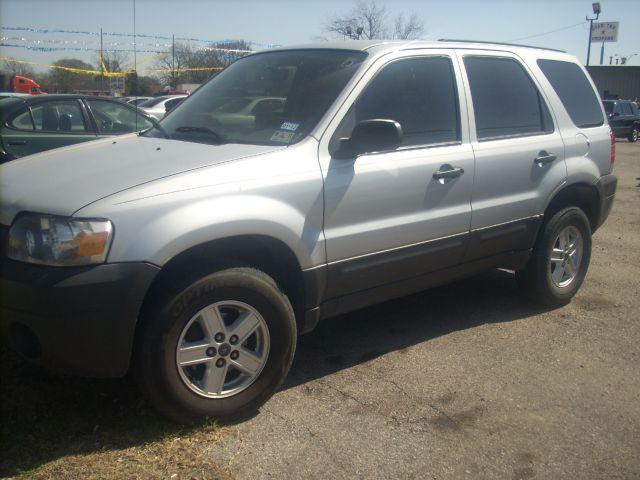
(542, 100)
(450, 57)
(33, 120)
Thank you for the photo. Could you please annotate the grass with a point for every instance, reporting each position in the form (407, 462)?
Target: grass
(67, 428)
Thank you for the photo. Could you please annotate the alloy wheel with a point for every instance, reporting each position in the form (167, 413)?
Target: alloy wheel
(222, 349)
(566, 256)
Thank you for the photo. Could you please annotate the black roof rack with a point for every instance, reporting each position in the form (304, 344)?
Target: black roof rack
(498, 43)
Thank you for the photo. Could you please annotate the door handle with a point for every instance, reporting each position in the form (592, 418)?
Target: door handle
(544, 157)
(447, 171)
(18, 142)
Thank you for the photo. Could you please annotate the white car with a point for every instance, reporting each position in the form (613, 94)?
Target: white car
(157, 107)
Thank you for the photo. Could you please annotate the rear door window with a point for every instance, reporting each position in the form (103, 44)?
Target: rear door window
(575, 92)
(506, 102)
(59, 116)
(22, 121)
(626, 109)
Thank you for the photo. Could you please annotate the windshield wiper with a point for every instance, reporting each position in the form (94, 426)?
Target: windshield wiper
(159, 127)
(190, 128)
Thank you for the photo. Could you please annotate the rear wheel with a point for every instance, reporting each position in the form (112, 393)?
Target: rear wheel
(219, 348)
(633, 136)
(560, 259)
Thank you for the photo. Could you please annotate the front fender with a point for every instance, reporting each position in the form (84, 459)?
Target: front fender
(278, 194)
(190, 224)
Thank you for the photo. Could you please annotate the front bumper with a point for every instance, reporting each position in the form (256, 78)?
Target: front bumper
(78, 320)
(607, 191)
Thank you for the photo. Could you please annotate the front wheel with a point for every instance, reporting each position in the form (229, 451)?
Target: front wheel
(220, 348)
(560, 259)
(633, 136)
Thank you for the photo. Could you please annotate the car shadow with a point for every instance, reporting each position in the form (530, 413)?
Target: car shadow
(360, 336)
(47, 416)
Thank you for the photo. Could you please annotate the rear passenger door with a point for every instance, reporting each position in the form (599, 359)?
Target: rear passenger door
(389, 215)
(519, 152)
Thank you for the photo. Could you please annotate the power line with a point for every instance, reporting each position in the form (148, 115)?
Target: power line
(547, 33)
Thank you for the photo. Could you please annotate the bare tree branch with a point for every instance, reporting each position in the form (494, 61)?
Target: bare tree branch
(188, 61)
(372, 17)
(411, 29)
(16, 68)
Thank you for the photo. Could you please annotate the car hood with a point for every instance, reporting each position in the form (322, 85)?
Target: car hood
(63, 180)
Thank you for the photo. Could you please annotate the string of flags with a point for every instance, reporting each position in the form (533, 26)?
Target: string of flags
(105, 72)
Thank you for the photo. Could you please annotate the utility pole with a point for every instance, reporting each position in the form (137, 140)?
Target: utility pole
(173, 61)
(596, 11)
(101, 65)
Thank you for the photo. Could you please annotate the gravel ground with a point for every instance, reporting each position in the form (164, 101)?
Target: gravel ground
(462, 381)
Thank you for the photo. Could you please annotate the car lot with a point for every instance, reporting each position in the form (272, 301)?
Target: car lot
(463, 381)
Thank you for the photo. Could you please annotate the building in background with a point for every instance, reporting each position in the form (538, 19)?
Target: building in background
(616, 81)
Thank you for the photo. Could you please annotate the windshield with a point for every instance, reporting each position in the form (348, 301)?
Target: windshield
(273, 98)
(608, 106)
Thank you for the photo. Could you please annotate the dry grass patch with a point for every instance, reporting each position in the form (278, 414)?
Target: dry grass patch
(57, 427)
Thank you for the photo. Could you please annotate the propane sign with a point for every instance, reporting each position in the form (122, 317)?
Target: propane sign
(605, 31)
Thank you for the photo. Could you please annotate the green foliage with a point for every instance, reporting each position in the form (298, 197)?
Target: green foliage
(136, 85)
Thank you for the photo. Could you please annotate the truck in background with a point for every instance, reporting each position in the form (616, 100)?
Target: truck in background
(19, 84)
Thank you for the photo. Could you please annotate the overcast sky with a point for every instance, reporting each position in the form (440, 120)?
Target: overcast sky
(289, 22)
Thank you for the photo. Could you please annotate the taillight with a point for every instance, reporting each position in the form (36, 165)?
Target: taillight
(612, 158)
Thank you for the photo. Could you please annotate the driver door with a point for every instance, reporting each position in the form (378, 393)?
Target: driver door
(389, 215)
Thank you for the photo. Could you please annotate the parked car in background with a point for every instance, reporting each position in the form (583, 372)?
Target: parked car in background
(13, 94)
(172, 91)
(36, 123)
(134, 100)
(158, 107)
(624, 118)
(243, 111)
(195, 253)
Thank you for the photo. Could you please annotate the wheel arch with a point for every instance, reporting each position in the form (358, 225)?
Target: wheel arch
(582, 195)
(262, 252)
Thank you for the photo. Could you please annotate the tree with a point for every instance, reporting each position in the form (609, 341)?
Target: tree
(373, 19)
(66, 81)
(410, 29)
(190, 65)
(113, 61)
(136, 85)
(14, 67)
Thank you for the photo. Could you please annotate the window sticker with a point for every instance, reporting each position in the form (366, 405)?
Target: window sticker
(283, 137)
(289, 126)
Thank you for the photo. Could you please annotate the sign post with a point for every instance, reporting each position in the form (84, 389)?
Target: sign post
(604, 32)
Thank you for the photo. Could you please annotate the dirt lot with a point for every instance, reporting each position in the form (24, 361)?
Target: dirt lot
(463, 381)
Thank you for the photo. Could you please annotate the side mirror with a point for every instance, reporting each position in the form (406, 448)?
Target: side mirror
(368, 136)
(615, 114)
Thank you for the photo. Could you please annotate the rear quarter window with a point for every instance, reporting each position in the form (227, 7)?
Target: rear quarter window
(575, 92)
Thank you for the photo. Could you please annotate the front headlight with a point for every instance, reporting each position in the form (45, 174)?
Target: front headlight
(59, 241)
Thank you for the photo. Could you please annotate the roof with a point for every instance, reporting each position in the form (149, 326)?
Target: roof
(377, 45)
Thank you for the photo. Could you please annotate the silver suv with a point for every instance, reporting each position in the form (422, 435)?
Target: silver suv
(196, 252)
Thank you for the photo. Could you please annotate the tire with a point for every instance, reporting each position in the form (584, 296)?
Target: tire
(537, 279)
(176, 391)
(633, 136)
